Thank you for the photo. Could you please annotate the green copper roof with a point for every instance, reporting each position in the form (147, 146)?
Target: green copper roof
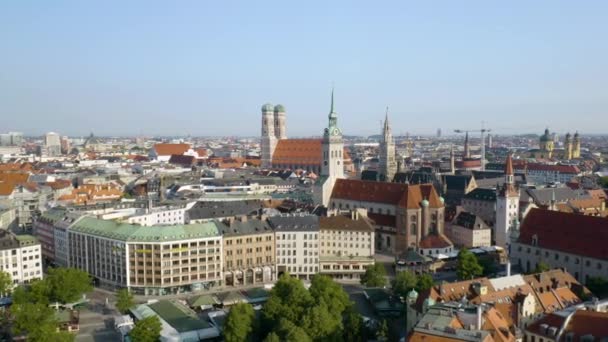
(129, 232)
(279, 108)
(267, 107)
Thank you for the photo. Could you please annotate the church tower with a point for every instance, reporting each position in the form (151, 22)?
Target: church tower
(388, 166)
(279, 122)
(568, 147)
(333, 146)
(576, 149)
(269, 139)
(332, 149)
(507, 206)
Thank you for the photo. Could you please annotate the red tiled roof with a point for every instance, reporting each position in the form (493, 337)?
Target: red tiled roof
(588, 322)
(298, 152)
(301, 152)
(8, 181)
(405, 195)
(383, 220)
(547, 167)
(169, 149)
(435, 241)
(551, 320)
(571, 233)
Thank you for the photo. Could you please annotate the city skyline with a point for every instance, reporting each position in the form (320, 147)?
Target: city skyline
(152, 69)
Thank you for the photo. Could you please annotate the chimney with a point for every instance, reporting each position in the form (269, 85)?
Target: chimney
(354, 215)
(244, 218)
(509, 268)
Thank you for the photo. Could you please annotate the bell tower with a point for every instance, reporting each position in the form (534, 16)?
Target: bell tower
(269, 140)
(388, 166)
(333, 146)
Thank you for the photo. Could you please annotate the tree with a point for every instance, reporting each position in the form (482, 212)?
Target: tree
(604, 181)
(288, 331)
(68, 284)
(425, 282)
(38, 322)
(374, 276)
(353, 325)
(37, 292)
(239, 323)
(541, 267)
(124, 300)
(468, 266)
(272, 337)
(598, 286)
(382, 333)
(324, 289)
(288, 300)
(404, 282)
(6, 283)
(146, 330)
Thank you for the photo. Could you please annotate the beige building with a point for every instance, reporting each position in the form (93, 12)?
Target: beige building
(346, 245)
(154, 260)
(297, 244)
(249, 252)
(468, 230)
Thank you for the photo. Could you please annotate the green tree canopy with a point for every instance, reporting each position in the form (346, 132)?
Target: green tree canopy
(598, 286)
(541, 267)
(146, 330)
(468, 266)
(382, 333)
(353, 325)
(124, 300)
(425, 282)
(6, 283)
(67, 284)
(272, 337)
(404, 282)
(375, 276)
(288, 299)
(37, 292)
(288, 331)
(324, 289)
(38, 322)
(239, 323)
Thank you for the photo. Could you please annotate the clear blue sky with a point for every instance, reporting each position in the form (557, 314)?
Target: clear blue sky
(206, 67)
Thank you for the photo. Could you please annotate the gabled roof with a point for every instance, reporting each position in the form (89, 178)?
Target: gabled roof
(298, 152)
(480, 194)
(341, 222)
(162, 149)
(571, 233)
(404, 195)
(435, 241)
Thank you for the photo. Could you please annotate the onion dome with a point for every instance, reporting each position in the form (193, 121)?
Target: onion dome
(267, 107)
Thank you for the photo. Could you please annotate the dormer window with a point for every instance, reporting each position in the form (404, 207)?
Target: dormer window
(535, 240)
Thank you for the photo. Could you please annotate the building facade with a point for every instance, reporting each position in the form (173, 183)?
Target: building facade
(249, 252)
(154, 260)
(563, 240)
(20, 257)
(405, 214)
(297, 245)
(346, 245)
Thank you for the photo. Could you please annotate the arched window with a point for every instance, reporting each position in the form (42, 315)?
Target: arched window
(535, 240)
(413, 229)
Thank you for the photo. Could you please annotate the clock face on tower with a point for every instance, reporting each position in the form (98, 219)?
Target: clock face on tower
(335, 131)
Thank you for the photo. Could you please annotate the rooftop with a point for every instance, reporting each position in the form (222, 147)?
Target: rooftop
(130, 232)
(179, 316)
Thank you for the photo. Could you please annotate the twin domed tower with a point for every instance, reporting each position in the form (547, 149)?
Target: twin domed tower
(273, 130)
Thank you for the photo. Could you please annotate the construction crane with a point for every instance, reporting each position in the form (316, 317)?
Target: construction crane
(482, 131)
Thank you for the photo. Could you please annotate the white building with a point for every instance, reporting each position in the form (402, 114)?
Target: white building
(507, 207)
(297, 244)
(52, 144)
(20, 257)
(162, 216)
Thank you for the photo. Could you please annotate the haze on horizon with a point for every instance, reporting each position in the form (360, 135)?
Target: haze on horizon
(205, 68)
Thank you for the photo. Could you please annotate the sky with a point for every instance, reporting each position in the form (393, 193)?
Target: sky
(205, 68)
